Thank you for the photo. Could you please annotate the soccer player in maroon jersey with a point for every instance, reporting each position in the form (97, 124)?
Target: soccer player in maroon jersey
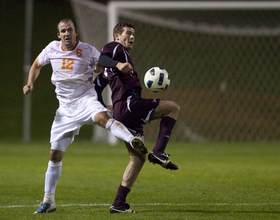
(132, 110)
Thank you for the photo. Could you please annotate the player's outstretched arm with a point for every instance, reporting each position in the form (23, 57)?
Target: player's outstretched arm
(33, 74)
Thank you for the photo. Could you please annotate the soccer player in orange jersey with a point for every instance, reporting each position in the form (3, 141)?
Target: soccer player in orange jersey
(72, 64)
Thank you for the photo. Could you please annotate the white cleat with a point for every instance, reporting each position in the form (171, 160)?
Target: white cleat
(45, 208)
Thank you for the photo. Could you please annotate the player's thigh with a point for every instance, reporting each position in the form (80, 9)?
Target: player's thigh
(135, 110)
(62, 143)
(167, 108)
(63, 127)
(94, 112)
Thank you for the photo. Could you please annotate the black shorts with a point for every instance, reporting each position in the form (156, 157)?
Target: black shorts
(135, 111)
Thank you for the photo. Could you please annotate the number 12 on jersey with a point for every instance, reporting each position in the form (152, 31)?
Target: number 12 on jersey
(67, 64)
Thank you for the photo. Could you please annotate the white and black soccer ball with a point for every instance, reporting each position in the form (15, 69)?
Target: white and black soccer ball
(156, 79)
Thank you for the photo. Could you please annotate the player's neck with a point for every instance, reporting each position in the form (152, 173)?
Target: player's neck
(70, 48)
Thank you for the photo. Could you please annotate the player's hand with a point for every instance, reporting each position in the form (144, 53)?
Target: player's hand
(124, 67)
(97, 68)
(27, 89)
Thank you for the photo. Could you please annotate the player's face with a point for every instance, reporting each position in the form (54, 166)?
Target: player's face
(126, 38)
(67, 34)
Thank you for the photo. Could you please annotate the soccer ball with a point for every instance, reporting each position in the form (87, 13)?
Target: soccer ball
(156, 79)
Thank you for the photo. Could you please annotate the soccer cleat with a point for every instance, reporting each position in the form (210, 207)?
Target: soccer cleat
(123, 209)
(45, 208)
(162, 159)
(138, 145)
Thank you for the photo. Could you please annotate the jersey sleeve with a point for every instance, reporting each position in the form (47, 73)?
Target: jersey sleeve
(111, 54)
(106, 61)
(107, 49)
(95, 55)
(43, 57)
(111, 49)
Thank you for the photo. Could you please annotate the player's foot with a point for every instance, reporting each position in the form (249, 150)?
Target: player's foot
(138, 145)
(45, 208)
(123, 209)
(162, 159)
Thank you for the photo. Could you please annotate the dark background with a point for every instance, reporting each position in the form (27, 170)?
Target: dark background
(248, 110)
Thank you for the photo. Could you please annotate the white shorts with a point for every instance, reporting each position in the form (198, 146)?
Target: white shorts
(70, 118)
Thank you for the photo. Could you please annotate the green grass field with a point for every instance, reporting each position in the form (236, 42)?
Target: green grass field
(214, 181)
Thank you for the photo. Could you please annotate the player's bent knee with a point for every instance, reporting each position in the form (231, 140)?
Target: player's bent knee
(177, 108)
(101, 119)
(56, 156)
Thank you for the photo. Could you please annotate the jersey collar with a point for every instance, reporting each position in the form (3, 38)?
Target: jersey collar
(72, 48)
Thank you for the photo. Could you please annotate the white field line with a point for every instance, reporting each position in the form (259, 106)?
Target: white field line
(154, 204)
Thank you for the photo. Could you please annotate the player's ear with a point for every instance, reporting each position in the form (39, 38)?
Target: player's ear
(116, 36)
(58, 35)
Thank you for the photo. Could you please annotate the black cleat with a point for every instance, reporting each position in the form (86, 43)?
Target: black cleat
(122, 209)
(162, 159)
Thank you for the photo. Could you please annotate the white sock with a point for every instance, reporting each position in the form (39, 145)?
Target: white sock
(51, 178)
(118, 130)
(48, 198)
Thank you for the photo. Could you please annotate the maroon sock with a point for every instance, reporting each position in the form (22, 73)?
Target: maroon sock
(121, 196)
(166, 126)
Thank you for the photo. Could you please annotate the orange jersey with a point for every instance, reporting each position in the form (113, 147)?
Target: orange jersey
(72, 70)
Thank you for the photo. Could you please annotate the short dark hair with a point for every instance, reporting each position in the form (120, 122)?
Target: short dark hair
(119, 27)
(64, 20)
